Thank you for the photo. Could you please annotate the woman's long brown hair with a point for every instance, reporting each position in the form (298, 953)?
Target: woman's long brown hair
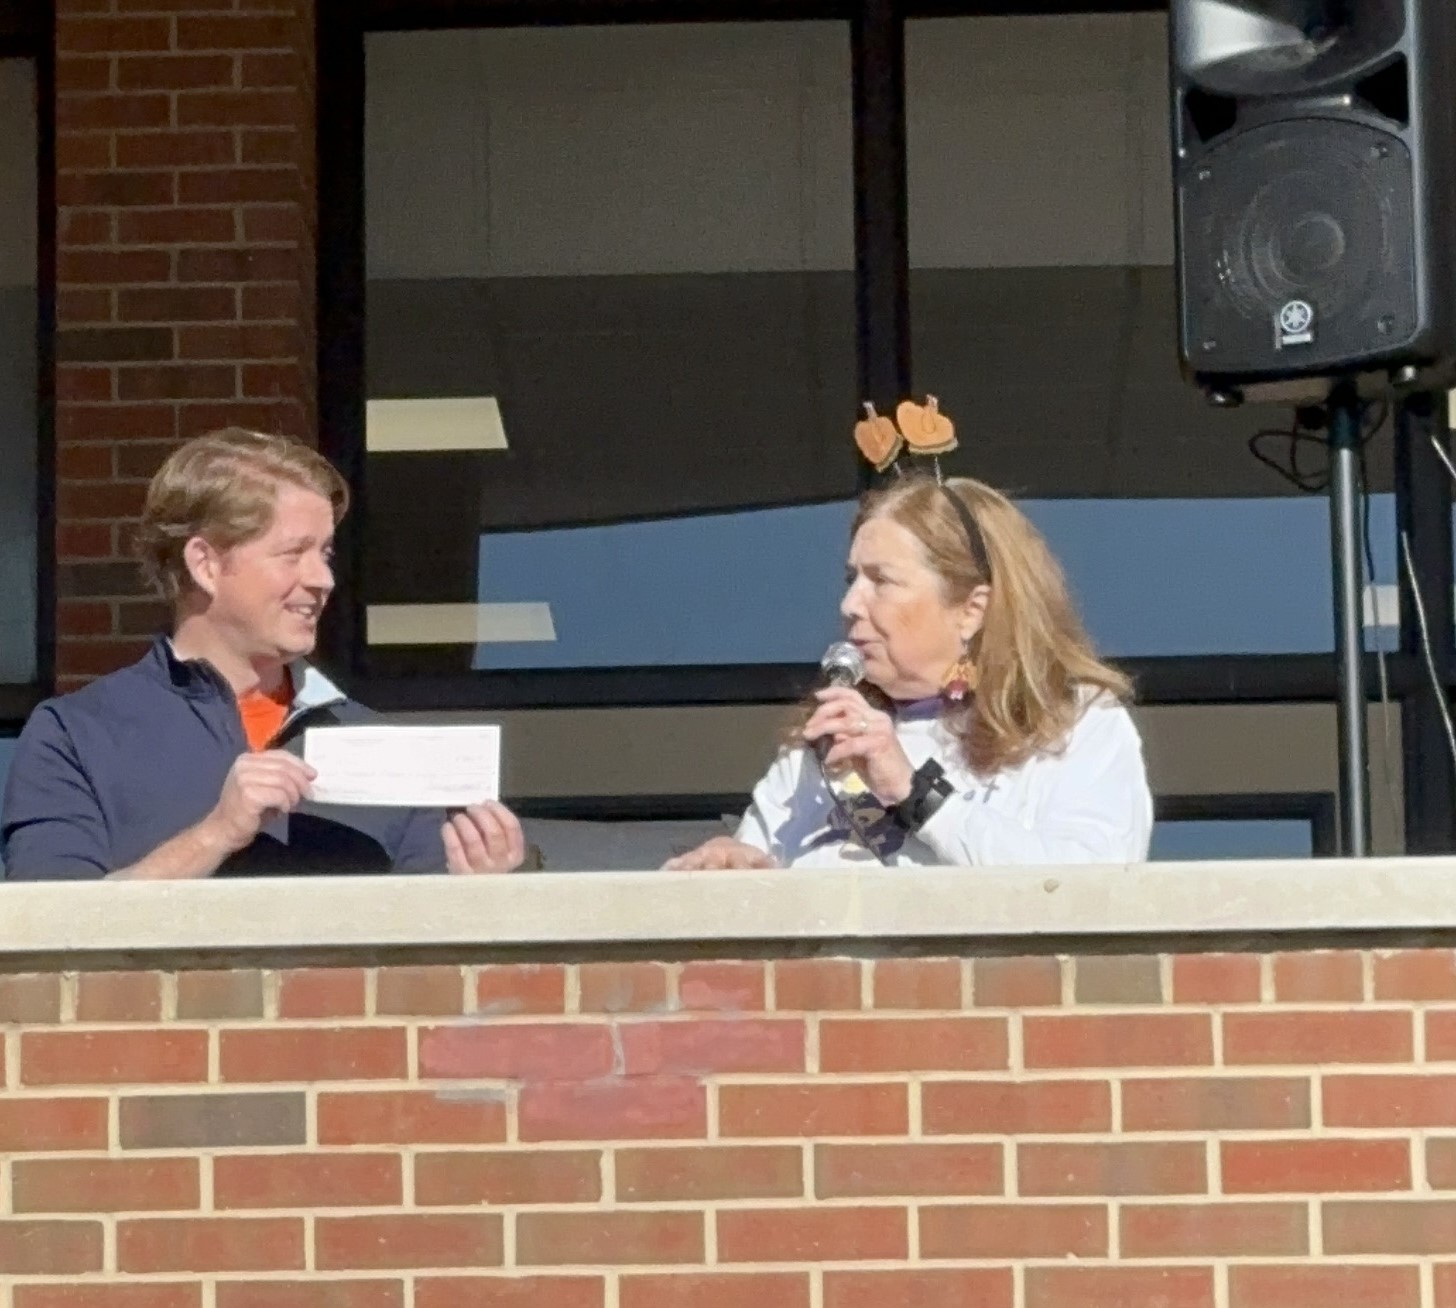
(1034, 662)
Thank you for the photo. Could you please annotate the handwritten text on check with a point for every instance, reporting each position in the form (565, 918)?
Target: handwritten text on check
(415, 767)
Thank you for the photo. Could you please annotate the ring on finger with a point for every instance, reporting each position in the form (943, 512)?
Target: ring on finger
(861, 727)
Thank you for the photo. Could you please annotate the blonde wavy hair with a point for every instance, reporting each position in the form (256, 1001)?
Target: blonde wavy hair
(1035, 664)
(223, 487)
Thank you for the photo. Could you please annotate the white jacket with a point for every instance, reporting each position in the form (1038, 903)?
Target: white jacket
(1089, 803)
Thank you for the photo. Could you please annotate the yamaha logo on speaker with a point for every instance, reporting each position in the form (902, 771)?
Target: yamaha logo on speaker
(1296, 324)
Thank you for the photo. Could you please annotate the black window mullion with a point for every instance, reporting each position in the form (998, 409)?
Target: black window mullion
(43, 13)
(340, 308)
(881, 204)
(1423, 514)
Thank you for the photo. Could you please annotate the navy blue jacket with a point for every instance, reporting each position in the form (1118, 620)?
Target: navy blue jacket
(102, 777)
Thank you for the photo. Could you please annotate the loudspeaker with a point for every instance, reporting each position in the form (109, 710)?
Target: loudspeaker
(1314, 171)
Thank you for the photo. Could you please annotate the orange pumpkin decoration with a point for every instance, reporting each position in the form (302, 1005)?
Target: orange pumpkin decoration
(927, 430)
(877, 438)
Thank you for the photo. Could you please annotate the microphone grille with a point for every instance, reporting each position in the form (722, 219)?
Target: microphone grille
(843, 664)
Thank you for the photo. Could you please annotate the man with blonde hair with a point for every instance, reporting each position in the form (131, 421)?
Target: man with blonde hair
(186, 764)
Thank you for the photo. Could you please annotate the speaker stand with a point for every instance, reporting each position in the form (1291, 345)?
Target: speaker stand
(1346, 531)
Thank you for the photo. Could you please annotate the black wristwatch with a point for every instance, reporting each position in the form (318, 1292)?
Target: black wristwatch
(929, 789)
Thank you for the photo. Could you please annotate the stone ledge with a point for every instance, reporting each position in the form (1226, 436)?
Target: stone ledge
(1023, 908)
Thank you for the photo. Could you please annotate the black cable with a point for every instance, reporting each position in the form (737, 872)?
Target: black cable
(1304, 430)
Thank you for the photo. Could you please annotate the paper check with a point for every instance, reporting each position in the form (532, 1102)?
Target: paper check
(414, 767)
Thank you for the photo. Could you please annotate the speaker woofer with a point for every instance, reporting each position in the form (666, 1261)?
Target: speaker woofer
(1316, 213)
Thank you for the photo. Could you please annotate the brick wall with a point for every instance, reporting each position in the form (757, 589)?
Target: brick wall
(1186, 1132)
(185, 256)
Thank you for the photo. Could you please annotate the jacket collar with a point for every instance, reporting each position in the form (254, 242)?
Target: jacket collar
(198, 679)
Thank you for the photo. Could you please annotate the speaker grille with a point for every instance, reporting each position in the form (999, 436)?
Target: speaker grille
(1297, 249)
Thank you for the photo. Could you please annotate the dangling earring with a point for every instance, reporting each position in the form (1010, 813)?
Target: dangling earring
(962, 679)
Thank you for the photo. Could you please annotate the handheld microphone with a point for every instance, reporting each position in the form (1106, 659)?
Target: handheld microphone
(842, 665)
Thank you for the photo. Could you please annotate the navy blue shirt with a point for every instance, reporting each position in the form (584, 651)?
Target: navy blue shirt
(102, 777)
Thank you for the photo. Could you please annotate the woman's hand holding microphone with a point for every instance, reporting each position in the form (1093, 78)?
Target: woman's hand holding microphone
(850, 736)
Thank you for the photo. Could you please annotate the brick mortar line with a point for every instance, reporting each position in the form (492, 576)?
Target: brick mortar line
(215, 362)
(608, 1177)
(610, 1273)
(713, 1112)
(233, 208)
(1043, 1262)
(710, 1237)
(409, 1157)
(659, 1207)
(70, 996)
(910, 1016)
(114, 1147)
(234, 246)
(234, 1276)
(797, 1202)
(178, 169)
(161, 439)
(81, 1089)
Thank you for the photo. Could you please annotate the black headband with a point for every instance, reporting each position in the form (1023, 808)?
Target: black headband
(979, 555)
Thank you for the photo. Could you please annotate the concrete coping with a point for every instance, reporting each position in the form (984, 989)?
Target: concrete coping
(564, 914)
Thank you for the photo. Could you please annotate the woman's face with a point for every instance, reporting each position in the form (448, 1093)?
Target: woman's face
(896, 614)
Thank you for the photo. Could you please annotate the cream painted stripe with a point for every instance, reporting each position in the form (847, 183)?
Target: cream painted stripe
(459, 624)
(420, 426)
(1382, 605)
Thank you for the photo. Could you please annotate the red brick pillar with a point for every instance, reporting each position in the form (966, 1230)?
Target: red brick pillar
(185, 269)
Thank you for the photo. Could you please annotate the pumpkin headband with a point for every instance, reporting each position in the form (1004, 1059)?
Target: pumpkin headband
(922, 429)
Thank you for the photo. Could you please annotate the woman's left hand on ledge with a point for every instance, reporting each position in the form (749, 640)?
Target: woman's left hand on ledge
(721, 854)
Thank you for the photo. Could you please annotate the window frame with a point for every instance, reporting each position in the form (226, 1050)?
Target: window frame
(1317, 807)
(884, 360)
(27, 32)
